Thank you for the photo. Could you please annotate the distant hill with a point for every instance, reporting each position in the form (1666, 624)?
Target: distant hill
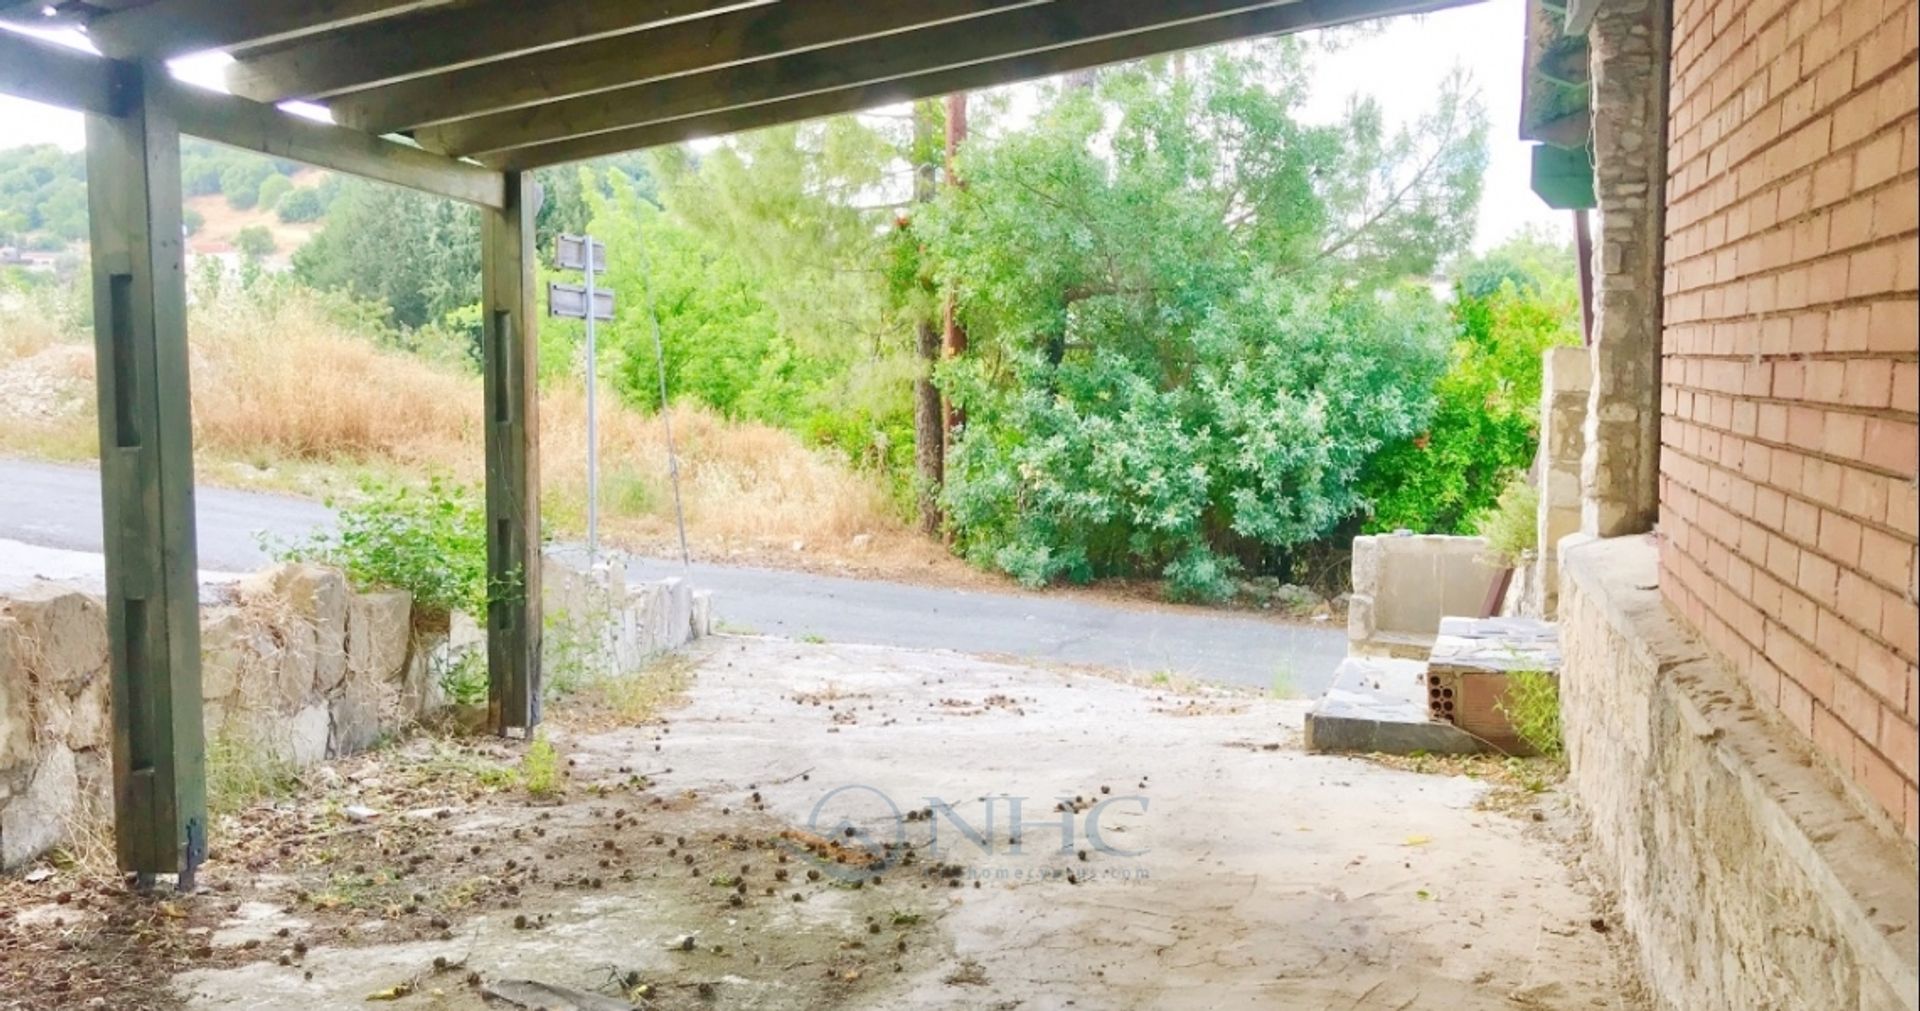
(43, 197)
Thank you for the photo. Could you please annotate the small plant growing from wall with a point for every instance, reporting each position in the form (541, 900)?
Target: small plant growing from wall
(1532, 705)
(1511, 527)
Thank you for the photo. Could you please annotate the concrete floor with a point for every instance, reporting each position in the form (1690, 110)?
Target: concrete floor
(1213, 864)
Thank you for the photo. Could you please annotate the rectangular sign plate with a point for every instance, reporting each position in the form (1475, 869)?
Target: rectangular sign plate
(571, 254)
(570, 301)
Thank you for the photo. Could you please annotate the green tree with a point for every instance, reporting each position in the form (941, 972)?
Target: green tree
(1509, 306)
(301, 205)
(417, 254)
(254, 242)
(1190, 323)
(272, 188)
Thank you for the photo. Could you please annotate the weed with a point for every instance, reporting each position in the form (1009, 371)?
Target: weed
(1283, 686)
(1532, 705)
(241, 772)
(1160, 678)
(465, 680)
(540, 768)
(814, 638)
(1511, 527)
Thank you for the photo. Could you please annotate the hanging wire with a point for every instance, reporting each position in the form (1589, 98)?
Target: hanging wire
(666, 416)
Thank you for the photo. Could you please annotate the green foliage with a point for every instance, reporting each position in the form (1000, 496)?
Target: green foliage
(761, 268)
(192, 220)
(272, 189)
(1508, 308)
(255, 242)
(240, 182)
(43, 196)
(417, 254)
(428, 541)
(241, 771)
(301, 205)
(1188, 327)
(1512, 526)
(540, 768)
(465, 680)
(1532, 705)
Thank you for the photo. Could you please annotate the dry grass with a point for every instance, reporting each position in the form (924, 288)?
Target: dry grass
(284, 398)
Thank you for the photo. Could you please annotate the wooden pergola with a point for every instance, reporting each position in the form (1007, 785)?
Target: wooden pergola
(458, 98)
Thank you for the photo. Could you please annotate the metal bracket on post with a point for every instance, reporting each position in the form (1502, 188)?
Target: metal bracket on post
(146, 481)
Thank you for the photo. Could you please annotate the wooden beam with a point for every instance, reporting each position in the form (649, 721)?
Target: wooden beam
(1014, 33)
(510, 368)
(255, 126)
(168, 28)
(687, 47)
(1247, 24)
(384, 52)
(48, 72)
(146, 481)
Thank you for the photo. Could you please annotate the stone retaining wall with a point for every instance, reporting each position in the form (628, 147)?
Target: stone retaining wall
(1744, 877)
(296, 668)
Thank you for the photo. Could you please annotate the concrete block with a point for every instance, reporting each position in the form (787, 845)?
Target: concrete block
(702, 614)
(1378, 706)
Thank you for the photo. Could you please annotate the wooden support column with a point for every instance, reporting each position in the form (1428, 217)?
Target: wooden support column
(513, 459)
(146, 472)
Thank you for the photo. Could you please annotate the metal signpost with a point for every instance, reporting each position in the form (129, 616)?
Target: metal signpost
(571, 301)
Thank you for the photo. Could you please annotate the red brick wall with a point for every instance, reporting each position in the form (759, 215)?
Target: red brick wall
(1789, 377)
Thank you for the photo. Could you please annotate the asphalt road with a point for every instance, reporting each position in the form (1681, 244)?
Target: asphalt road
(59, 507)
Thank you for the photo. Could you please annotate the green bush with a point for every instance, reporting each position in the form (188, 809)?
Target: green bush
(301, 205)
(1512, 526)
(272, 189)
(255, 242)
(430, 542)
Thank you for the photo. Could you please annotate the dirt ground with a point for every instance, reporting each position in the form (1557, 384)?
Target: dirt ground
(834, 826)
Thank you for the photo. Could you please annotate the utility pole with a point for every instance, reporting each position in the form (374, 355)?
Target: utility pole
(585, 301)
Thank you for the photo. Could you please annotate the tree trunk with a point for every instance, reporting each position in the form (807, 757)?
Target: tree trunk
(929, 429)
(955, 337)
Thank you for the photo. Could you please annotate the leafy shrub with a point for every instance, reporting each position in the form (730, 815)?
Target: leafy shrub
(1508, 308)
(255, 242)
(301, 205)
(272, 189)
(1512, 527)
(540, 768)
(1532, 705)
(430, 542)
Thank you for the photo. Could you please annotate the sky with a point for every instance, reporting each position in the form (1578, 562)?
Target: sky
(1402, 66)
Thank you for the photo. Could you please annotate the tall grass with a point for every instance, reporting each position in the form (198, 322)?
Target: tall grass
(281, 384)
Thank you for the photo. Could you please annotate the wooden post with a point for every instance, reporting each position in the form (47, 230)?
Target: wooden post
(146, 480)
(513, 459)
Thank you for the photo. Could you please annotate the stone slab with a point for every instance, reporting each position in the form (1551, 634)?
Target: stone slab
(1379, 705)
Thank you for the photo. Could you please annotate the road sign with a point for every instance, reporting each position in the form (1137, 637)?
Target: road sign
(570, 301)
(571, 254)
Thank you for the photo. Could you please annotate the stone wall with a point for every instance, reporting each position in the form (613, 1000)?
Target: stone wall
(1790, 388)
(1404, 584)
(295, 668)
(1565, 380)
(1744, 878)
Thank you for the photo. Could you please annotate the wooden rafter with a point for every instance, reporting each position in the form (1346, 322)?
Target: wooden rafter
(1099, 52)
(169, 28)
(443, 39)
(54, 74)
(720, 41)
